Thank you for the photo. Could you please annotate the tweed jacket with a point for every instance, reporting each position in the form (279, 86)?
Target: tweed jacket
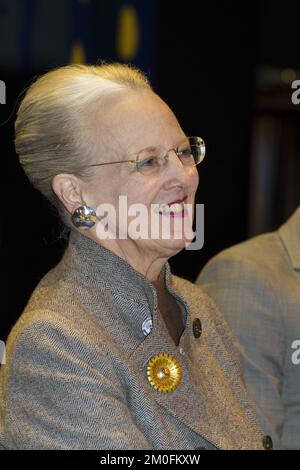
(256, 284)
(76, 370)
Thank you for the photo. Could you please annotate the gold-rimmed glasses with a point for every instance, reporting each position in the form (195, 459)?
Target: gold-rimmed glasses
(190, 154)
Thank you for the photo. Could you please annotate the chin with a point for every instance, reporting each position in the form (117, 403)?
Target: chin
(175, 245)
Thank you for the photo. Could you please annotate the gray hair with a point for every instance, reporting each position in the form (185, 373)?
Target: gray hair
(49, 129)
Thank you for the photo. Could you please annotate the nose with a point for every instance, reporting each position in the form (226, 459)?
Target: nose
(173, 159)
(175, 173)
(176, 169)
(178, 175)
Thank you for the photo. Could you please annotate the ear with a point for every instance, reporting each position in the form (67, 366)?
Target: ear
(67, 188)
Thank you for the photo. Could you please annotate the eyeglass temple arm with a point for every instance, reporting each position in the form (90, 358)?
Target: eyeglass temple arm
(111, 163)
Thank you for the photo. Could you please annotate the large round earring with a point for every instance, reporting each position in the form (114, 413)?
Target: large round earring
(84, 217)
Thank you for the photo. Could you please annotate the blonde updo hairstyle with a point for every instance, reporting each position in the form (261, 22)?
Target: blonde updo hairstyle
(50, 135)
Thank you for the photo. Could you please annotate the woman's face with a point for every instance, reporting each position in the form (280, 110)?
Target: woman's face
(141, 120)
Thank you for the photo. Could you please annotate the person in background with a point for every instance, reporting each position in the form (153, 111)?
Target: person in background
(112, 350)
(256, 285)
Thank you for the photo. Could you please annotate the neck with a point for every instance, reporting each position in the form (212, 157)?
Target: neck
(149, 265)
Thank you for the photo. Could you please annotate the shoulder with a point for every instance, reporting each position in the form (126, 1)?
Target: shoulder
(250, 282)
(260, 250)
(58, 304)
(45, 328)
(47, 337)
(255, 258)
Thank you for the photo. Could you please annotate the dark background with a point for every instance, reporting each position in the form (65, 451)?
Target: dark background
(225, 68)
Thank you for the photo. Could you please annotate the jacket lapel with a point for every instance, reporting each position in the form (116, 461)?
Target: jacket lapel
(204, 403)
(184, 403)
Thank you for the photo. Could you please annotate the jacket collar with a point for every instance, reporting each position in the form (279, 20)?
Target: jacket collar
(103, 272)
(102, 266)
(289, 234)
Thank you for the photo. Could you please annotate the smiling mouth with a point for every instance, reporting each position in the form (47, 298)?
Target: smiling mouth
(174, 208)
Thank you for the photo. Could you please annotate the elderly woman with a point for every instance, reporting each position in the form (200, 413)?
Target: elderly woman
(112, 350)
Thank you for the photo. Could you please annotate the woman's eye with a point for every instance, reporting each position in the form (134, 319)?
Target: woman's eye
(185, 153)
(148, 162)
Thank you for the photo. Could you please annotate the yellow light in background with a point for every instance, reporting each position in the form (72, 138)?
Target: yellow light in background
(128, 34)
(288, 76)
(77, 54)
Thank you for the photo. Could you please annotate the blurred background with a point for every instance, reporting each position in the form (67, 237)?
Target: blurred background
(225, 68)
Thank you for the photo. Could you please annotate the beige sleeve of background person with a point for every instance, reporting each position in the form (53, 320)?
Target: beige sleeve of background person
(252, 308)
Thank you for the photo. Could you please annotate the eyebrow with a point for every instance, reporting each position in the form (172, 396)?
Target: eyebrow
(152, 149)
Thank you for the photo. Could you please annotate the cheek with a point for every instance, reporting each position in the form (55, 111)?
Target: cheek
(97, 190)
(142, 190)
